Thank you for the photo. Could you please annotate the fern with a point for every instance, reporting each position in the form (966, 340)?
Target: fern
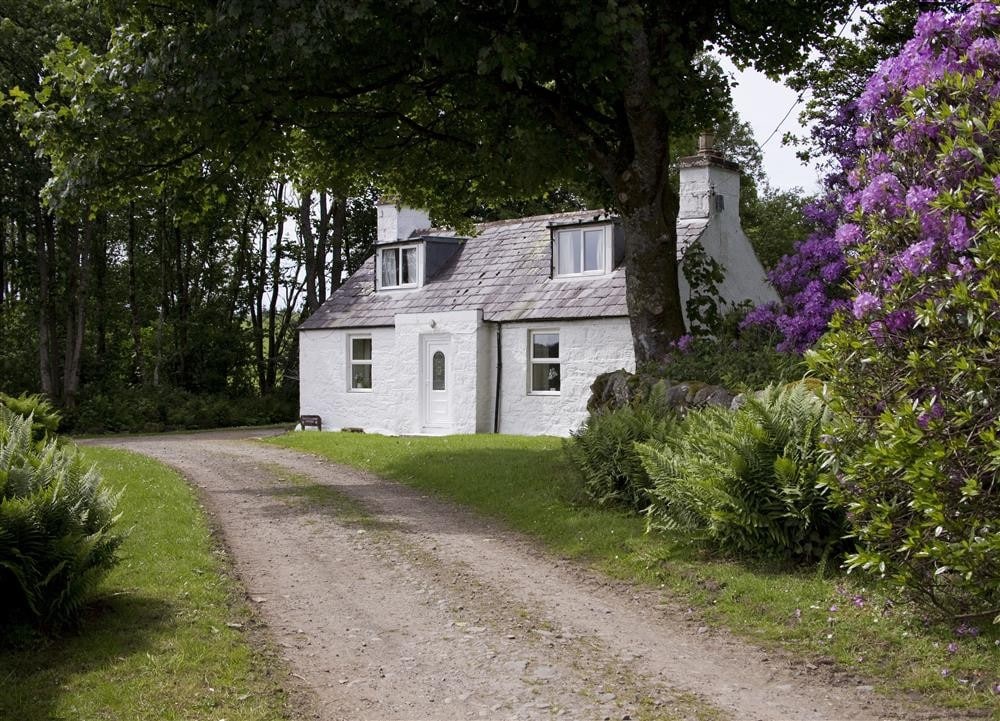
(603, 450)
(747, 481)
(57, 537)
(45, 418)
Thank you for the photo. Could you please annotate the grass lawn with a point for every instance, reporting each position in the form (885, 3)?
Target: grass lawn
(527, 483)
(167, 637)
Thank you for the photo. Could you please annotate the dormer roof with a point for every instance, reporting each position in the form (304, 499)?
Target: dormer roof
(503, 269)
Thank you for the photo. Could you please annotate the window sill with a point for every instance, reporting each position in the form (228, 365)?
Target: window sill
(544, 393)
(578, 276)
(360, 390)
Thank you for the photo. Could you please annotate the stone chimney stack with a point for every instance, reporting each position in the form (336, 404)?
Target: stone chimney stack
(709, 184)
(398, 222)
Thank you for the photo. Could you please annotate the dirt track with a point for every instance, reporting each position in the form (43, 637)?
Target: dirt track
(391, 605)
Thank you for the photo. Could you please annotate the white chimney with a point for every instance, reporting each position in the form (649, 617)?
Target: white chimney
(709, 184)
(397, 222)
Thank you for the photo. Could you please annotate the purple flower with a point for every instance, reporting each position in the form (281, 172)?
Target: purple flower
(899, 321)
(882, 195)
(849, 234)
(960, 236)
(953, 648)
(935, 412)
(918, 197)
(683, 343)
(915, 259)
(865, 303)
(966, 630)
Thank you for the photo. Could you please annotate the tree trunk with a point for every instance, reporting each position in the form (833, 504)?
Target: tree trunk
(312, 262)
(322, 243)
(652, 293)
(44, 230)
(133, 303)
(99, 265)
(259, 273)
(337, 240)
(272, 311)
(639, 175)
(182, 259)
(164, 296)
(76, 311)
(3, 264)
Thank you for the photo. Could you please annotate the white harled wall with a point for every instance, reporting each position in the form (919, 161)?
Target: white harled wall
(393, 405)
(587, 349)
(323, 381)
(723, 238)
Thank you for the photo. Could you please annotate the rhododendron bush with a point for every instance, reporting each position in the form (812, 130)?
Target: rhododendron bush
(913, 358)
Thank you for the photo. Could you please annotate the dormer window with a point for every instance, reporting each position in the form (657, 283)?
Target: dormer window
(582, 251)
(398, 267)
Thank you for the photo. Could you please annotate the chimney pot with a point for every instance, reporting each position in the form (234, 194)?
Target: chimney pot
(706, 144)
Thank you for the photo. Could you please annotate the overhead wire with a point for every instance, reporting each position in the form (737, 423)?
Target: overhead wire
(801, 95)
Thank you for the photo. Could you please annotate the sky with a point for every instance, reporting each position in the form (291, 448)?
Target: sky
(762, 103)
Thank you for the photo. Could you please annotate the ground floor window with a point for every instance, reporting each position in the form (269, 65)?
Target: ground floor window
(361, 363)
(544, 365)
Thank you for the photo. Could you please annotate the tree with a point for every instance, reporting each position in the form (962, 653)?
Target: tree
(835, 76)
(446, 100)
(774, 222)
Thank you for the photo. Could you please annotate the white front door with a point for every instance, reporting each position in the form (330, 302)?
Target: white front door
(436, 384)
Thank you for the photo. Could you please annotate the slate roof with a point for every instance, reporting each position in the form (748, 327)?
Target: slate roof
(503, 270)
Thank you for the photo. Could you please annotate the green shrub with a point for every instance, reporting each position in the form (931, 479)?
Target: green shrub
(747, 481)
(914, 368)
(603, 450)
(740, 359)
(56, 528)
(154, 409)
(45, 418)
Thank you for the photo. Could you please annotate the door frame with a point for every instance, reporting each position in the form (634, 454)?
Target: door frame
(443, 342)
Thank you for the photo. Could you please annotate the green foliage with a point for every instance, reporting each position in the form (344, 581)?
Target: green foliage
(704, 305)
(56, 528)
(156, 409)
(44, 418)
(748, 481)
(603, 450)
(774, 222)
(740, 359)
(915, 444)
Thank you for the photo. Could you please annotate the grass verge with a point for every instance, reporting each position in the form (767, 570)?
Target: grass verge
(167, 637)
(821, 617)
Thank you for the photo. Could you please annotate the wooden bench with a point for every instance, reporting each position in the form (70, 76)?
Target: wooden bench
(311, 422)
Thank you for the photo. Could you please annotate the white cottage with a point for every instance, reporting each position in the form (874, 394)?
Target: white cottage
(502, 332)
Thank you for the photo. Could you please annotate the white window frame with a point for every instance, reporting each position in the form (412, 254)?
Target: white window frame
(604, 252)
(352, 362)
(399, 250)
(532, 361)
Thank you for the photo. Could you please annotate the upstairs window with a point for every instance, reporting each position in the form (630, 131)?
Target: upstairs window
(544, 365)
(361, 363)
(581, 251)
(398, 267)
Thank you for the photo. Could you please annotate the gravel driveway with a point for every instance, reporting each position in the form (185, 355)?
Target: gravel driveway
(388, 604)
